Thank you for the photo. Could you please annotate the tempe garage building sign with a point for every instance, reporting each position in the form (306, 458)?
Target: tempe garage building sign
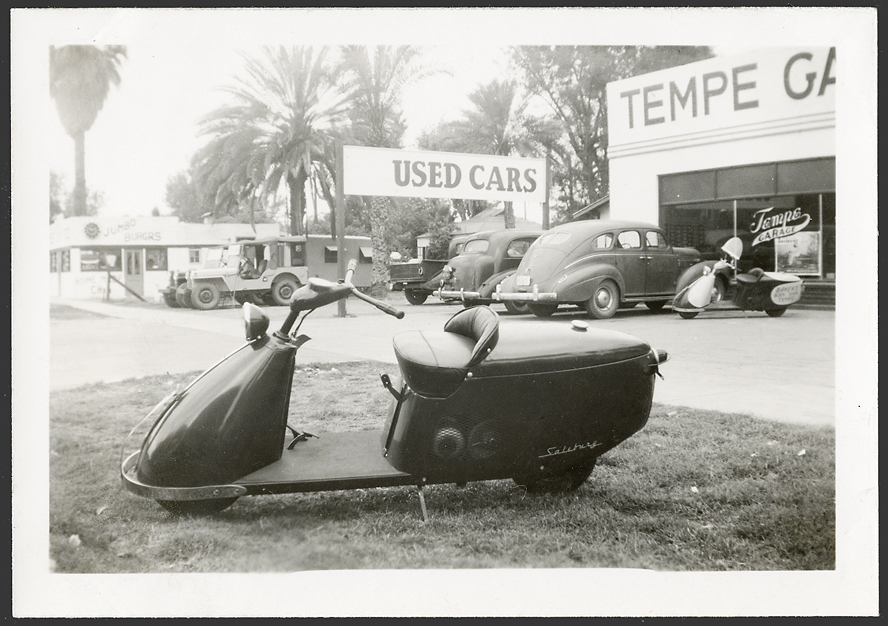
(410, 173)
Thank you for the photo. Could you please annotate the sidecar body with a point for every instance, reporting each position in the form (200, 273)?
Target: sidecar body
(484, 399)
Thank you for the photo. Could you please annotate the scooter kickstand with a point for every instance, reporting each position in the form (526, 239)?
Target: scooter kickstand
(422, 504)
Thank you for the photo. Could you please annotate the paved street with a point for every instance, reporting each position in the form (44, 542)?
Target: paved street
(781, 369)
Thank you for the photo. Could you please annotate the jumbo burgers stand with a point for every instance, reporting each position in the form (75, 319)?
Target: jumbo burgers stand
(411, 173)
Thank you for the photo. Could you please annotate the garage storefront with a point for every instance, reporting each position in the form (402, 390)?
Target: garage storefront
(733, 146)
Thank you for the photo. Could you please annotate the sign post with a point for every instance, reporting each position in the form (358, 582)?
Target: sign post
(340, 223)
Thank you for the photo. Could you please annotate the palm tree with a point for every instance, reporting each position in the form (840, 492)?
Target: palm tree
(80, 78)
(375, 80)
(280, 125)
(499, 124)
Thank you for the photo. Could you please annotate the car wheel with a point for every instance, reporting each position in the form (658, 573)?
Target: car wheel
(283, 289)
(170, 300)
(688, 315)
(776, 312)
(196, 507)
(603, 303)
(183, 296)
(242, 298)
(205, 297)
(415, 297)
(514, 307)
(542, 310)
(656, 305)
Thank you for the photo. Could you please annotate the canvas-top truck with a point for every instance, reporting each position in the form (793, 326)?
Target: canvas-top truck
(270, 270)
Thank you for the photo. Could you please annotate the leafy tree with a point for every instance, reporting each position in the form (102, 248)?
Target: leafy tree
(375, 79)
(281, 124)
(56, 196)
(184, 197)
(572, 80)
(63, 203)
(190, 203)
(80, 78)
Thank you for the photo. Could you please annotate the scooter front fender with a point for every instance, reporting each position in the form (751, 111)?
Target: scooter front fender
(690, 283)
(229, 422)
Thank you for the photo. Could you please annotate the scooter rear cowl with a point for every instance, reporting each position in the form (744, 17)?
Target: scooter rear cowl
(547, 398)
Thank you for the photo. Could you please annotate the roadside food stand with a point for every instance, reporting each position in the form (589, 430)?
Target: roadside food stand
(118, 258)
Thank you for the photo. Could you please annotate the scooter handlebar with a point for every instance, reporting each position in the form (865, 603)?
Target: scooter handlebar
(382, 306)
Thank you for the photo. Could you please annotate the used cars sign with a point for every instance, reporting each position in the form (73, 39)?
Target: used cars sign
(423, 174)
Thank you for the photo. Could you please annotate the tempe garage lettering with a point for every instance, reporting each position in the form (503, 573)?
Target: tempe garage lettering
(424, 174)
(719, 93)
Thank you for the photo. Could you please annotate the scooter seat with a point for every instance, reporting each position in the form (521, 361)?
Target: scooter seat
(750, 278)
(435, 363)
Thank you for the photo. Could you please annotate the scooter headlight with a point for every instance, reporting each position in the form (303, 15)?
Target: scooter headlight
(255, 321)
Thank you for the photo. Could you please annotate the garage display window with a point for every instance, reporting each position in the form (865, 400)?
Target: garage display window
(783, 212)
(365, 254)
(155, 259)
(330, 254)
(99, 260)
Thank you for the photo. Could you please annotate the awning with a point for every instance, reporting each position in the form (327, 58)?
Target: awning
(367, 252)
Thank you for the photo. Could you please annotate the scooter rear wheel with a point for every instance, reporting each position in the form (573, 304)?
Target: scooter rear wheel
(196, 507)
(775, 312)
(688, 315)
(569, 480)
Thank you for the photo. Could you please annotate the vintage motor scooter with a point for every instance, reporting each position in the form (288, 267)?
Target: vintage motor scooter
(537, 402)
(704, 287)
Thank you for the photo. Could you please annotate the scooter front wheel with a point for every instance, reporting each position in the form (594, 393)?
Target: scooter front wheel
(688, 315)
(775, 312)
(196, 507)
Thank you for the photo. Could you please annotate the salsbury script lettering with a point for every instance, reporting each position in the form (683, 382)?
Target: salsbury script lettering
(556, 450)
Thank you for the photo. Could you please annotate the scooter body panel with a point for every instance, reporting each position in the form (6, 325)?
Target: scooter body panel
(773, 290)
(228, 423)
(546, 399)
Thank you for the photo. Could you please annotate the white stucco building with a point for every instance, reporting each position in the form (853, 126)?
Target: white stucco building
(740, 145)
(93, 257)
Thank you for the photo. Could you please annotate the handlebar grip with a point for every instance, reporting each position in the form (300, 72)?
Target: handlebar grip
(382, 306)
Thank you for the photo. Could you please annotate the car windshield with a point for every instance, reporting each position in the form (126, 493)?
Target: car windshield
(478, 246)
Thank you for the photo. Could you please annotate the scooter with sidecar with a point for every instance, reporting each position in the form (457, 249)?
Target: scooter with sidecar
(537, 402)
(705, 287)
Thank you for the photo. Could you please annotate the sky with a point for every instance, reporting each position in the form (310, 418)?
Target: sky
(177, 61)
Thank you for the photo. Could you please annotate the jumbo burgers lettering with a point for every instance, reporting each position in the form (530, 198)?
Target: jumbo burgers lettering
(449, 175)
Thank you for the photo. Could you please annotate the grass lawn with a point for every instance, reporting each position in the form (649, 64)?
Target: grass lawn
(693, 491)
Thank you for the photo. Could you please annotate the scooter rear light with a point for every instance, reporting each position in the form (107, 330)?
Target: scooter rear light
(255, 321)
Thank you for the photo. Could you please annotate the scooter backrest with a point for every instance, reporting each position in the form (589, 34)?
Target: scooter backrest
(481, 325)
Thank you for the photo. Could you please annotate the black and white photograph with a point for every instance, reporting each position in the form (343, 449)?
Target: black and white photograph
(444, 312)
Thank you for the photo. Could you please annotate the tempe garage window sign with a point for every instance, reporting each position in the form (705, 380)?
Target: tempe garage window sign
(423, 174)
